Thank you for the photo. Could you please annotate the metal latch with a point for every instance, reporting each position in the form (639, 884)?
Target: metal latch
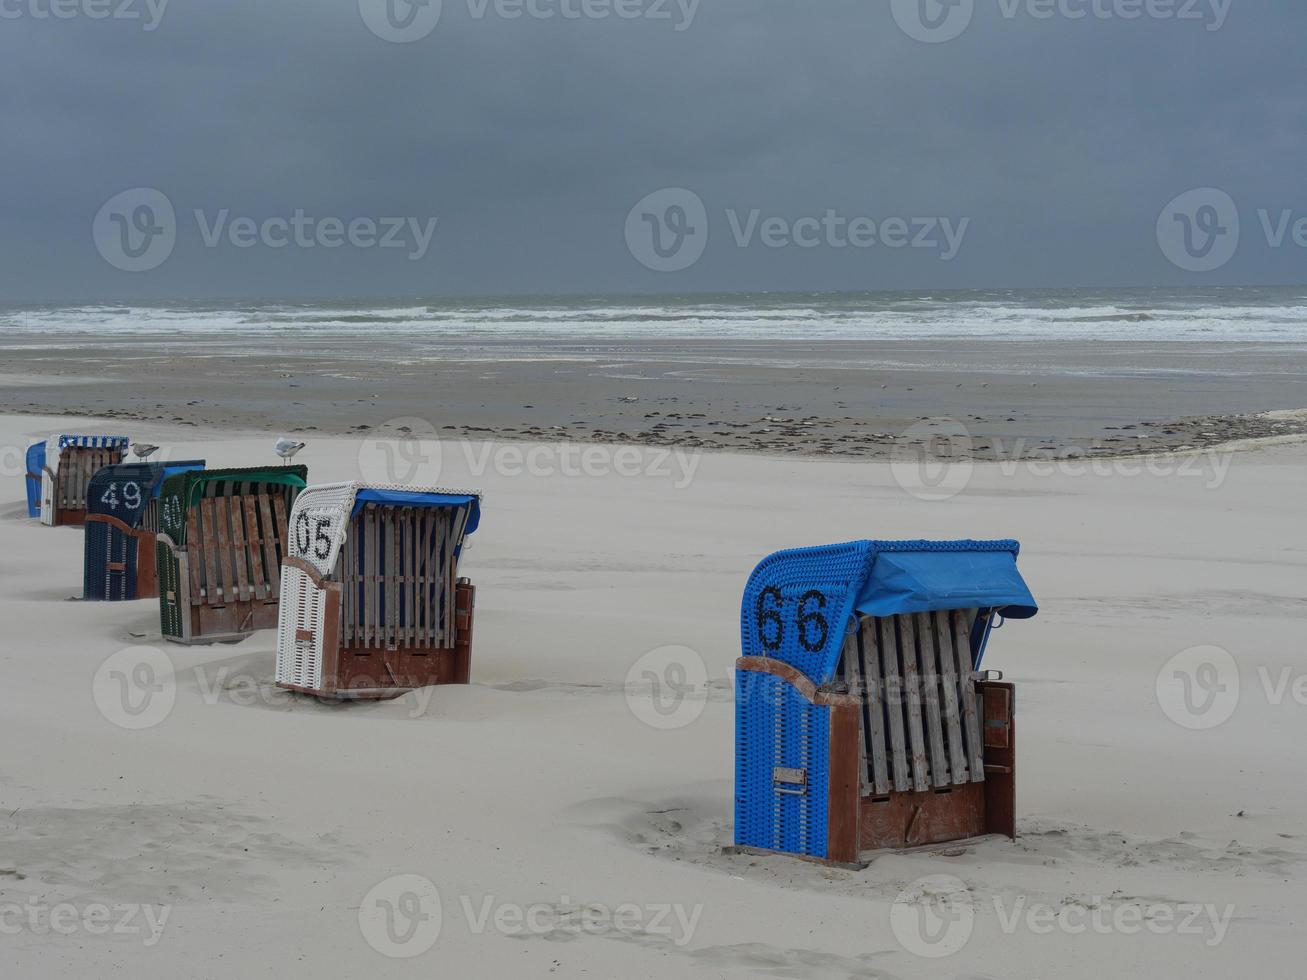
(791, 781)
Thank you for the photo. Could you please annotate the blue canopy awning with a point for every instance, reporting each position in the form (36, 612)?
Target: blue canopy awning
(405, 498)
(924, 581)
(798, 604)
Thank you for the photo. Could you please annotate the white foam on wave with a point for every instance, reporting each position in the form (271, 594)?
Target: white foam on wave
(841, 319)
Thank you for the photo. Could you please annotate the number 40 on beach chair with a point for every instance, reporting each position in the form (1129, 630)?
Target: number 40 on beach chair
(372, 605)
(863, 718)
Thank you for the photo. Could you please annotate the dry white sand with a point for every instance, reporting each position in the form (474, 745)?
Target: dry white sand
(261, 821)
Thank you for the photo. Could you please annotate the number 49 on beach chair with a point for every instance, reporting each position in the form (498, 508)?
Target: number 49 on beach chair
(863, 719)
(371, 603)
(122, 526)
(222, 538)
(66, 466)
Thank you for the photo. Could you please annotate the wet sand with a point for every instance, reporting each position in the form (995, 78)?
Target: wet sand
(994, 399)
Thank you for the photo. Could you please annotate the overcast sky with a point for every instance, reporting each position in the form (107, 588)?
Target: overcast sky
(1049, 145)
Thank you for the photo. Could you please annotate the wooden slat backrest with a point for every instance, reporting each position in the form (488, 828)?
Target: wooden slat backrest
(226, 559)
(206, 541)
(961, 622)
(240, 552)
(234, 546)
(193, 550)
(873, 707)
(280, 529)
(397, 567)
(957, 749)
(886, 661)
(932, 697)
(77, 464)
(268, 532)
(254, 543)
(907, 646)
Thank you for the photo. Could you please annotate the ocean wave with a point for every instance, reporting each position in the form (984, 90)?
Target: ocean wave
(1005, 316)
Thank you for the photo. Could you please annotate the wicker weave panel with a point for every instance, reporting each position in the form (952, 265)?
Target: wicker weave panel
(777, 727)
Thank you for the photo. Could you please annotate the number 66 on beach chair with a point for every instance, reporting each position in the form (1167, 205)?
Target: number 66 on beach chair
(222, 537)
(371, 603)
(863, 719)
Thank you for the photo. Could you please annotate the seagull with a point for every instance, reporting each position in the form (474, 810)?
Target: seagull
(143, 450)
(287, 448)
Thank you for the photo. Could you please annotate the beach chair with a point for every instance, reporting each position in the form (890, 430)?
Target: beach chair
(863, 718)
(122, 527)
(70, 462)
(35, 472)
(372, 605)
(222, 538)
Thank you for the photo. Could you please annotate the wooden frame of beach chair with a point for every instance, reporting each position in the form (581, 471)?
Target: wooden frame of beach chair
(861, 727)
(222, 538)
(122, 528)
(372, 603)
(70, 462)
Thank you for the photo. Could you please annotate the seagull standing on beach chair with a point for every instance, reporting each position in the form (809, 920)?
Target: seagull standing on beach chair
(287, 448)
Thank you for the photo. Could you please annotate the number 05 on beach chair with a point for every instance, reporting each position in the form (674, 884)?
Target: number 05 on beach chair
(222, 538)
(371, 604)
(863, 719)
(122, 528)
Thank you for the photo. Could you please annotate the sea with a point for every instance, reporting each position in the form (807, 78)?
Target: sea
(1210, 315)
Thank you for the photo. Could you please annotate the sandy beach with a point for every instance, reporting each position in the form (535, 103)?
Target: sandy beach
(247, 827)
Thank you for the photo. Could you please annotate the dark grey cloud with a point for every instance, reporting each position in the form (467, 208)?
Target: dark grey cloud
(530, 140)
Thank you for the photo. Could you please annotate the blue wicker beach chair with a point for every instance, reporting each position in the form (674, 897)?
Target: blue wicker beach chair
(222, 538)
(70, 462)
(863, 719)
(35, 468)
(122, 525)
(371, 601)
